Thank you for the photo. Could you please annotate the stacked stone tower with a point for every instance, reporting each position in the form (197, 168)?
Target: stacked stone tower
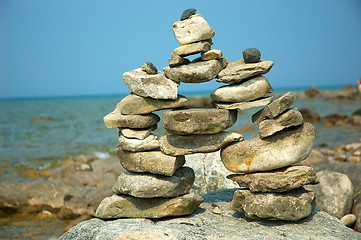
(156, 184)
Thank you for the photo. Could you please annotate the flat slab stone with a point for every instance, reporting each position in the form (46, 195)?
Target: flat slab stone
(134, 104)
(279, 180)
(290, 118)
(177, 145)
(198, 120)
(193, 29)
(290, 206)
(137, 145)
(275, 108)
(249, 90)
(244, 105)
(117, 120)
(147, 185)
(196, 72)
(279, 150)
(211, 54)
(155, 86)
(192, 48)
(150, 161)
(239, 70)
(130, 207)
(137, 133)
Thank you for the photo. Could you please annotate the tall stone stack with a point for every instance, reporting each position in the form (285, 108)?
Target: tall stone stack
(156, 184)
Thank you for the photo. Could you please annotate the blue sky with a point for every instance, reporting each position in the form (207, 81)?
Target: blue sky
(82, 47)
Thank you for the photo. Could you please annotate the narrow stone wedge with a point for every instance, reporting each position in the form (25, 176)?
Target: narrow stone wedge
(244, 105)
(137, 145)
(117, 120)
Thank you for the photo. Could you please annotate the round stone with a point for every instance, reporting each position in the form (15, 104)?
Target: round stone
(149, 68)
(187, 13)
(251, 55)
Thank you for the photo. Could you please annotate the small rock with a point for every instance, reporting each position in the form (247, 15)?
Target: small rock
(187, 13)
(156, 86)
(196, 72)
(279, 150)
(131, 207)
(245, 105)
(354, 159)
(348, 220)
(246, 91)
(137, 133)
(193, 29)
(211, 54)
(251, 55)
(177, 145)
(150, 161)
(279, 180)
(117, 120)
(191, 48)
(147, 185)
(310, 115)
(149, 68)
(134, 104)
(238, 70)
(137, 145)
(289, 206)
(312, 91)
(198, 121)
(275, 108)
(290, 118)
(177, 61)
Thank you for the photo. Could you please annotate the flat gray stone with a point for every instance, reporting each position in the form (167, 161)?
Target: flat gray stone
(150, 161)
(193, 29)
(191, 48)
(198, 120)
(290, 118)
(279, 180)
(275, 108)
(196, 72)
(279, 150)
(156, 86)
(289, 206)
(177, 145)
(117, 120)
(134, 104)
(147, 185)
(244, 105)
(239, 70)
(246, 91)
(137, 133)
(137, 145)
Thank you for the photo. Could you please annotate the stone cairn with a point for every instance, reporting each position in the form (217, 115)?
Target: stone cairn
(156, 184)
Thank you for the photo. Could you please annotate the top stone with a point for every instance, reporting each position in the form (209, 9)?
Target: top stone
(187, 13)
(251, 55)
(149, 68)
(193, 29)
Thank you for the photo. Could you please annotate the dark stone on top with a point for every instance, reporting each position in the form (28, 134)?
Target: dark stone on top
(251, 55)
(149, 68)
(187, 13)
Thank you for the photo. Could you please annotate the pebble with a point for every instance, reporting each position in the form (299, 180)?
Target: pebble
(149, 68)
(348, 220)
(251, 55)
(187, 13)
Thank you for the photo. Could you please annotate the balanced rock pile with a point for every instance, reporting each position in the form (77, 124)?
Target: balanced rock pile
(157, 184)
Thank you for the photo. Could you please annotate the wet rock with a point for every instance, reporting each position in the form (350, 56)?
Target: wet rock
(137, 133)
(155, 86)
(336, 119)
(348, 220)
(290, 118)
(310, 115)
(193, 29)
(117, 120)
(198, 121)
(238, 70)
(147, 185)
(279, 180)
(137, 145)
(211, 54)
(177, 60)
(334, 193)
(134, 104)
(244, 105)
(177, 145)
(275, 108)
(150, 161)
(290, 206)
(251, 55)
(279, 150)
(131, 207)
(312, 91)
(192, 48)
(187, 13)
(149, 68)
(246, 91)
(196, 72)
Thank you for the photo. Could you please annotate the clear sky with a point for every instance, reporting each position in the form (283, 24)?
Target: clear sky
(82, 47)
